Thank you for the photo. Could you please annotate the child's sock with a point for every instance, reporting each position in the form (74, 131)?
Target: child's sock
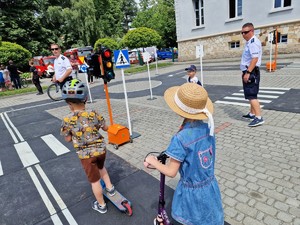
(258, 117)
(251, 114)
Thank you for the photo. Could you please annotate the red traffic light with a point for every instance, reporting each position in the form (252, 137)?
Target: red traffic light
(107, 53)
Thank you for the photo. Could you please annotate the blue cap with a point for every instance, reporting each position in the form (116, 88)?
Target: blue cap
(191, 68)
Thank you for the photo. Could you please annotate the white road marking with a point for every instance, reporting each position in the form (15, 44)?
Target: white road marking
(13, 126)
(259, 96)
(274, 88)
(235, 103)
(26, 154)
(56, 146)
(9, 130)
(243, 99)
(1, 170)
(46, 200)
(56, 196)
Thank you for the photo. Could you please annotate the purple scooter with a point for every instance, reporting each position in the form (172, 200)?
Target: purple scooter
(162, 216)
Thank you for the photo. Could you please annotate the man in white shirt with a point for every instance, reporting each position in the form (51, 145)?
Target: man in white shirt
(62, 66)
(250, 62)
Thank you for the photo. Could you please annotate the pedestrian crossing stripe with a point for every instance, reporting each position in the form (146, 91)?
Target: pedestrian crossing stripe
(266, 95)
(121, 58)
(1, 170)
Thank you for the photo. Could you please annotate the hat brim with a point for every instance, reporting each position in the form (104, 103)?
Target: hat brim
(170, 100)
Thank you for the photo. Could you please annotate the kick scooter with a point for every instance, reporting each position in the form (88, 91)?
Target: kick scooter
(118, 200)
(162, 216)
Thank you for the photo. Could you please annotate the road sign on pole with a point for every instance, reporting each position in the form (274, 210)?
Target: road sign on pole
(121, 59)
(200, 54)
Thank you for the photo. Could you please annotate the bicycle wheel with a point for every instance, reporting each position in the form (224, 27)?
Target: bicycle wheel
(24, 83)
(54, 92)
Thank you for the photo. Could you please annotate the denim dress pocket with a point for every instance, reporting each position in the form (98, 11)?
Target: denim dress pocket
(206, 157)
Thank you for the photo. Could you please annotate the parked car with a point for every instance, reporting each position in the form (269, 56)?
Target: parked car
(166, 53)
(134, 58)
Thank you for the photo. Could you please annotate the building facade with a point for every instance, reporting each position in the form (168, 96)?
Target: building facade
(217, 24)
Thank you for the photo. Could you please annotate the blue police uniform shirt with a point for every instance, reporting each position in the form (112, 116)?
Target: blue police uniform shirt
(197, 198)
(252, 50)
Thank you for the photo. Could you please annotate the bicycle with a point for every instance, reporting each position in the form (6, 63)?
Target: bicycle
(162, 216)
(24, 82)
(54, 92)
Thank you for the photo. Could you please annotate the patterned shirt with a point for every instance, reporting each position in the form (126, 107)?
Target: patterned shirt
(84, 128)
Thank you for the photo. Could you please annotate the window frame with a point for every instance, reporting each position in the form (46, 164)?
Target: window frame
(281, 4)
(237, 44)
(199, 12)
(238, 4)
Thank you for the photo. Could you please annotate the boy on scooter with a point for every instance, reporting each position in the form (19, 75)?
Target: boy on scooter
(197, 198)
(81, 127)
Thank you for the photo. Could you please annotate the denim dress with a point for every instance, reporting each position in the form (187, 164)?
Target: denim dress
(197, 198)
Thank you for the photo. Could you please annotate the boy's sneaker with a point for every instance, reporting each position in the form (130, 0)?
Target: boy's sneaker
(111, 191)
(99, 208)
(256, 122)
(248, 116)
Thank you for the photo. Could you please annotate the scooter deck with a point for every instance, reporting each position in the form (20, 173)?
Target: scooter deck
(118, 199)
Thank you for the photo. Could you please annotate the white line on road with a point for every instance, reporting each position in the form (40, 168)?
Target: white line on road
(259, 96)
(56, 146)
(235, 103)
(274, 88)
(1, 170)
(56, 196)
(9, 130)
(13, 126)
(242, 99)
(26, 154)
(272, 92)
(44, 197)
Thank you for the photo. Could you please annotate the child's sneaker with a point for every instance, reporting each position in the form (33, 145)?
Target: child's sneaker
(111, 191)
(99, 208)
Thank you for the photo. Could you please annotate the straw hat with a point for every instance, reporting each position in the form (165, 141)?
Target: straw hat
(190, 101)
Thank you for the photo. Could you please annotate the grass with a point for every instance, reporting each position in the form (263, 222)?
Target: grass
(137, 68)
(21, 91)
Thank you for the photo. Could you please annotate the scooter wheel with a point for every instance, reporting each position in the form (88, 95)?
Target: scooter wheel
(116, 146)
(128, 209)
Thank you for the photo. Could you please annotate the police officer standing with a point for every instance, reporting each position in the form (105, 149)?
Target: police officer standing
(250, 62)
(62, 66)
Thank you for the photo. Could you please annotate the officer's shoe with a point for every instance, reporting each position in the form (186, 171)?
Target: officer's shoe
(256, 122)
(248, 116)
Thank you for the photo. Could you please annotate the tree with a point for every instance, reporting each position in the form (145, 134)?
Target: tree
(160, 17)
(107, 42)
(141, 37)
(130, 10)
(15, 52)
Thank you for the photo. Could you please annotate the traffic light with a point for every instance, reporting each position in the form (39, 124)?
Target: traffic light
(107, 64)
(276, 40)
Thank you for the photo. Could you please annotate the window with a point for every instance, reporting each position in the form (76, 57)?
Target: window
(282, 3)
(199, 12)
(235, 44)
(235, 8)
(283, 38)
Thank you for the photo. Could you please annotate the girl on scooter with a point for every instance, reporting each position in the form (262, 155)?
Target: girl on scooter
(197, 198)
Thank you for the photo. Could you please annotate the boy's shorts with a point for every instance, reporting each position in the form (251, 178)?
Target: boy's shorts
(92, 165)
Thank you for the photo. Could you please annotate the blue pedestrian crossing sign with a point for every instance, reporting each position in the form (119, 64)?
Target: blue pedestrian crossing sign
(121, 59)
(83, 68)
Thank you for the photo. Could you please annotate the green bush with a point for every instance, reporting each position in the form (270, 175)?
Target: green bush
(15, 52)
(107, 42)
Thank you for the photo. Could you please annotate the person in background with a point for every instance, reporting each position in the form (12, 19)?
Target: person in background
(191, 72)
(74, 63)
(2, 80)
(35, 78)
(6, 76)
(62, 66)
(14, 74)
(250, 62)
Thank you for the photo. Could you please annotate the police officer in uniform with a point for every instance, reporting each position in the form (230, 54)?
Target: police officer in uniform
(62, 66)
(250, 62)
